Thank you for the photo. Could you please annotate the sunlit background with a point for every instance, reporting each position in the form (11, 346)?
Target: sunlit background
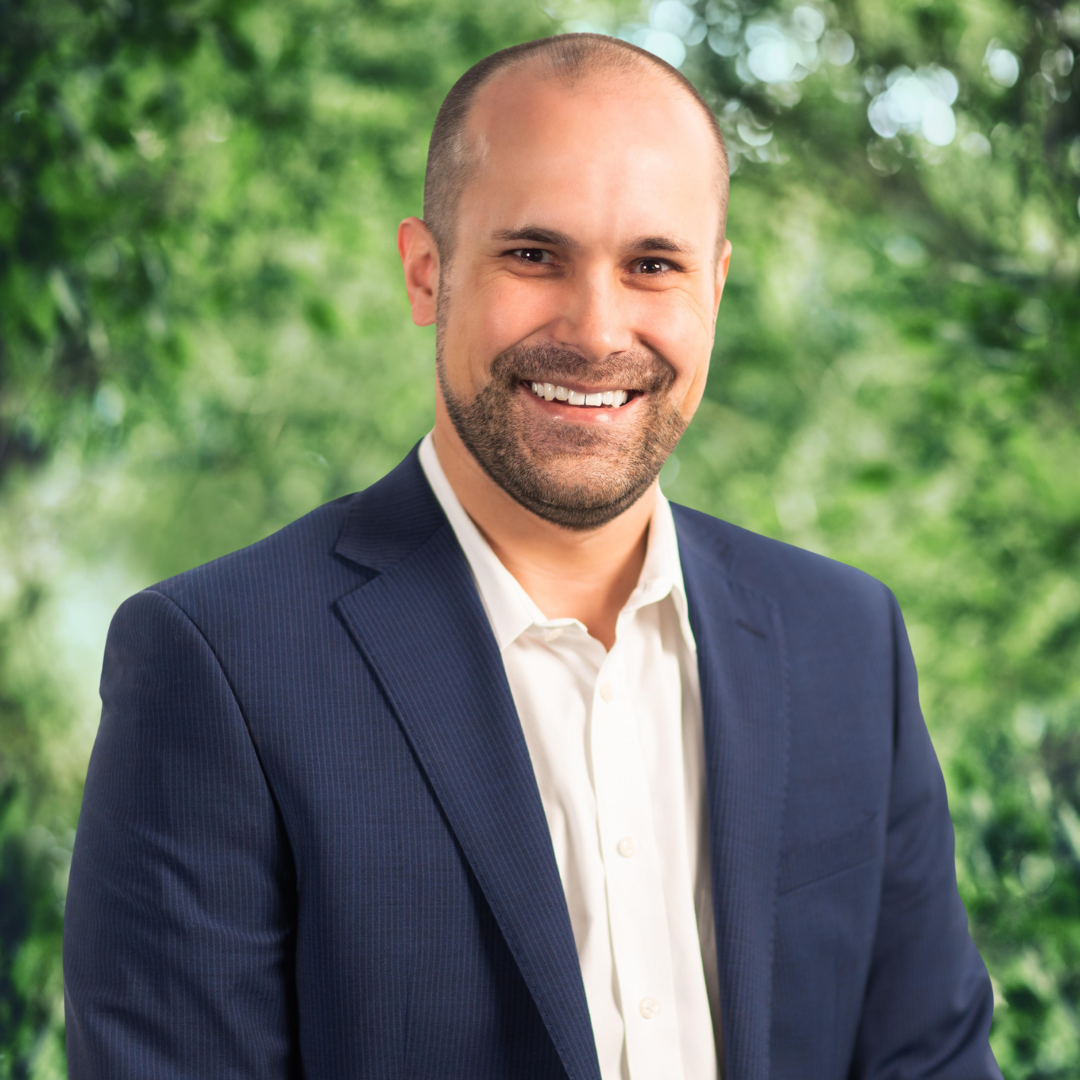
(203, 335)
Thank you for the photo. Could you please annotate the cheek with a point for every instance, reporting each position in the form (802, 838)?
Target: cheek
(690, 385)
(681, 332)
(490, 317)
(695, 389)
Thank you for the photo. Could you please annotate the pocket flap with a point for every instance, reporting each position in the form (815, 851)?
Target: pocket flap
(809, 864)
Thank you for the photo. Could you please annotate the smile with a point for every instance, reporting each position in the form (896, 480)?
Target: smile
(550, 392)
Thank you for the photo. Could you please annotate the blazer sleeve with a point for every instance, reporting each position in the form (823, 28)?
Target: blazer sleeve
(929, 1001)
(178, 936)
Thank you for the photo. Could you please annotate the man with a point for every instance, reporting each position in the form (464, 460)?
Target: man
(505, 767)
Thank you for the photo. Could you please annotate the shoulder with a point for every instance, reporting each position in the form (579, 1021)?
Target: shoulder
(800, 581)
(292, 571)
(286, 584)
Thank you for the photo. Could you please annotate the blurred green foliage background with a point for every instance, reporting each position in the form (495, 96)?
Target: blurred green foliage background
(203, 336)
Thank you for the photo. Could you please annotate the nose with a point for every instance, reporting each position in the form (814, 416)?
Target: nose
(594, 317)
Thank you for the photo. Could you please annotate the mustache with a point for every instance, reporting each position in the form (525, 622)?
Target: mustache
(633, 369)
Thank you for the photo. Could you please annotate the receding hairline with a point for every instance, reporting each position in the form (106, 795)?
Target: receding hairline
(567, 58)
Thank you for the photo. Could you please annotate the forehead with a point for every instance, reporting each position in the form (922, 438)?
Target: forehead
(617, 152)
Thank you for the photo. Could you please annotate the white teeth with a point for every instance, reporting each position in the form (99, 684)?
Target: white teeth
(549, 392)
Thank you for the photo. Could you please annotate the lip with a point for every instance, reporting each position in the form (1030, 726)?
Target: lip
(581, 414)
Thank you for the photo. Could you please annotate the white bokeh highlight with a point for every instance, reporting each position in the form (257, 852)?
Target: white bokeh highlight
(661, 43)
(916, 102)
(784, 54)
(1002, 64)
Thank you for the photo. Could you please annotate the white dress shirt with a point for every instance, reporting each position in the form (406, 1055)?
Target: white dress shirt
(616, 744)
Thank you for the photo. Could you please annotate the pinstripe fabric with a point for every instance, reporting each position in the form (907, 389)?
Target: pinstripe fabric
(843, 945)
(746, 716)
(462, 725)
(311, 843)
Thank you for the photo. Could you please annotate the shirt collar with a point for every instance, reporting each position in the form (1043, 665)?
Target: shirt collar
(509, 607)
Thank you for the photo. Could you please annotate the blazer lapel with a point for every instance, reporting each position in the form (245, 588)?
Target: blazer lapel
(743, 668)
(422, 629)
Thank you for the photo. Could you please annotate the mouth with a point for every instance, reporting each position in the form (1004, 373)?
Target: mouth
(594, 399)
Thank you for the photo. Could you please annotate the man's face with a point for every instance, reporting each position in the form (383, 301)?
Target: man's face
(585, 271)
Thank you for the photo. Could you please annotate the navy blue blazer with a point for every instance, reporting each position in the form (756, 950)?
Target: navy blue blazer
(311, 842)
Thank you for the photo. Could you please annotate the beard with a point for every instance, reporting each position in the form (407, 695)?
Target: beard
(578, 476)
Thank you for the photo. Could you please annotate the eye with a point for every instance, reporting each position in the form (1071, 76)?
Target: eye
(537, 256)
(651, 266)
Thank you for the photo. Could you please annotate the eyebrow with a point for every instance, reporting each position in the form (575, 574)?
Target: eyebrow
(661, 243)
(539, 235)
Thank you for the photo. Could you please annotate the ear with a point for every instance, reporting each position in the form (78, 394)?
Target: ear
(420, 261)
(723, 263)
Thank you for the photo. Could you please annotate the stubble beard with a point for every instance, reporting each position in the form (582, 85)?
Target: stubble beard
(578, 476)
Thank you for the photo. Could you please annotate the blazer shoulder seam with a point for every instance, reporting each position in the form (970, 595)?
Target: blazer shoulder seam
(155, 591)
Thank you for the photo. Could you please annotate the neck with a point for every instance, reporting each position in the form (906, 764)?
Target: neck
(586, 575)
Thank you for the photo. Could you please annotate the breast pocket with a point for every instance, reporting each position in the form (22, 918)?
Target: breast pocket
(816, 862)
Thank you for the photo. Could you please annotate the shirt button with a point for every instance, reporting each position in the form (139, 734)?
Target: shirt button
(607, 691)
(648, 1007)
(626, 847)
(554, 634)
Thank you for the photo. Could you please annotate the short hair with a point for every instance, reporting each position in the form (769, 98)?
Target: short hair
(566, 56)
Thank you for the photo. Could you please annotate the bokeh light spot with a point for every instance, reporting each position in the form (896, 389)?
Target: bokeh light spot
(1003, 65)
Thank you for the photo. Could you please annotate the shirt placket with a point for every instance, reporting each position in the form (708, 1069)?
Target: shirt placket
(636, 907)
